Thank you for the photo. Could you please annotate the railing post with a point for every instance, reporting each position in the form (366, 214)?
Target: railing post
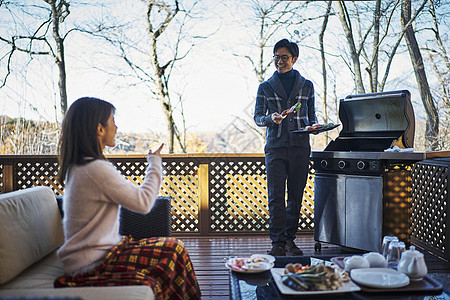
(8, 177)
(203, 199)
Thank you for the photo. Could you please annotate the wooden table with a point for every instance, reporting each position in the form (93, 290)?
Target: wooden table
(262, 286)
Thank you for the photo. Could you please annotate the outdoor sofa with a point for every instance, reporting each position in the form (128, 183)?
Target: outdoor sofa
(31, 232)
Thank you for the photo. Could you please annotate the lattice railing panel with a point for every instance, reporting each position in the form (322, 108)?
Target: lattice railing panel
(34, 173)
(307, 209)
(397, 201)
(180, 183)
(430, 206)
(247, 201)
(1, 176)
(134, 170)
(230, 185)
(183, 191)
(238, 197)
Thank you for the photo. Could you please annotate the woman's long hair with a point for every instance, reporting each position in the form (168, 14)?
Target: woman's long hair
(78, 143)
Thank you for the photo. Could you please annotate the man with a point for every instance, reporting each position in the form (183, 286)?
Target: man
(286, 153)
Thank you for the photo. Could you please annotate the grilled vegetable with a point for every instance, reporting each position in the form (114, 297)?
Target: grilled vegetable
(319, 126)
(291, 110)
(295, 268)
(295, 107)
(296, 282)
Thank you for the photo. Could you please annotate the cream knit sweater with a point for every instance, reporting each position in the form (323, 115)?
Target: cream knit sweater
(92, 196)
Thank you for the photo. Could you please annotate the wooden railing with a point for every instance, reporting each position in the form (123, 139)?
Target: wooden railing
(211, 193)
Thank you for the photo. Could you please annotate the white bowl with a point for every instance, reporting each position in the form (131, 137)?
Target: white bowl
(376, 260)
(355, 262)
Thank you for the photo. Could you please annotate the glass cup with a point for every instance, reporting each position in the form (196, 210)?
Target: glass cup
(385, 246)
(395, 254)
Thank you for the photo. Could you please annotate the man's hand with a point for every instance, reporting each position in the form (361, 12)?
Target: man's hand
(276, 118)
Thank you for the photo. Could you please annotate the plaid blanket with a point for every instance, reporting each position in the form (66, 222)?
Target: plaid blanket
(161, 263)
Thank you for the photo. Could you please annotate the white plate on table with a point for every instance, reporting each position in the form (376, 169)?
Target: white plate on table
(347, 287)
(379, 277)
(254, 267)
(264, 257)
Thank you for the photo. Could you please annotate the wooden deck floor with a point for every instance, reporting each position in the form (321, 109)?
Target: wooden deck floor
(208, 255)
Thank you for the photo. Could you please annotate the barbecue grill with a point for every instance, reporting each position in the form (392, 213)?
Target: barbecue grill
(361, 192)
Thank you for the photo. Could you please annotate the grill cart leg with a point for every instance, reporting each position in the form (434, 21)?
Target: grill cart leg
(317, 247)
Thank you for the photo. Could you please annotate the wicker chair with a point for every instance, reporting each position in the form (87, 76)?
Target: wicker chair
(157, 223)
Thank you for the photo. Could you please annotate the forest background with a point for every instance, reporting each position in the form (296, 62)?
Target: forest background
(186, 72)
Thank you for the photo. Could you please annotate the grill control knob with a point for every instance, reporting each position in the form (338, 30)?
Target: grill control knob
(361, 165)
(342, 164)
(323, 163)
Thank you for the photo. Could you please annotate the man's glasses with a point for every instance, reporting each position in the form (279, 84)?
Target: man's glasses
(284, 58)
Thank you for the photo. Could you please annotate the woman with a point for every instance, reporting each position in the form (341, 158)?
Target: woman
(93, 253)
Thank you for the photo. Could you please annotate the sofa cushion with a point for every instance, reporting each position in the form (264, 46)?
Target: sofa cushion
(37, 281)
(39, 275)
(31, 229)
(129, 292)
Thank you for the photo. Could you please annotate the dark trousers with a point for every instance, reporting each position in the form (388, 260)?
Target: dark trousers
(285, 167)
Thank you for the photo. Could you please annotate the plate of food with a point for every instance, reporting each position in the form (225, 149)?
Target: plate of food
(312, 280)
(317, 128)
(262, 258)
(256, 263)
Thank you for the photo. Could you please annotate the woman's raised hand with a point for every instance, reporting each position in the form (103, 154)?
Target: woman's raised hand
(158, 151)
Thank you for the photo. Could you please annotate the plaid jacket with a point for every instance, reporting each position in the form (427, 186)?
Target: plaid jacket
(272, 98)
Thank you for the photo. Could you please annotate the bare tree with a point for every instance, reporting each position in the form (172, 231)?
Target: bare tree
(344, 17)
(60, 10)
(387, 41)
(439, 61)
(376, 41)
(324, 66)
(391, 54)
(270, 19)
(432, 125)
(35, 38)
(161, 75)
(442, 69)
(382, 39)
(151, 60)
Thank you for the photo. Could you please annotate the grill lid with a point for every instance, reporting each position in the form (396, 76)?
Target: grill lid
(375, 122)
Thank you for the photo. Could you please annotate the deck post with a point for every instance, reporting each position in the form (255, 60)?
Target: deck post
(203, 199)
(8, 177)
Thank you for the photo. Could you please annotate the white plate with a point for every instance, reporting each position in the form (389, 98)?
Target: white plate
(252, 268)
(267, 258)
(379, 277)
(347, 287)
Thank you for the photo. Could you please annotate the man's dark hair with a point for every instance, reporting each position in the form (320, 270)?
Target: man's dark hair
(291, 46)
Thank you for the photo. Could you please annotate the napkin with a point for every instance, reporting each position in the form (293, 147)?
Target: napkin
(398, 149)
